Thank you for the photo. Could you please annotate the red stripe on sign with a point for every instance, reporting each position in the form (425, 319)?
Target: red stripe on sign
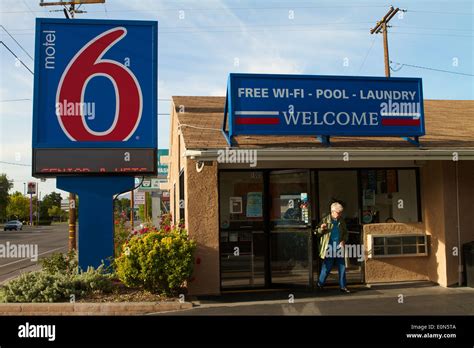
(257, 120)
(399, 122)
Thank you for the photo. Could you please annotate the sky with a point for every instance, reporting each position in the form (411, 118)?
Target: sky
(201, 42)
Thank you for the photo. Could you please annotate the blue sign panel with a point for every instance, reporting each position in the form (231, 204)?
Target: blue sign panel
(95, 88)
(324, 105)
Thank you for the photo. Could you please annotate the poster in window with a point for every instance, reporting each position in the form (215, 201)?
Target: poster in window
(254, 204)
(235, 205)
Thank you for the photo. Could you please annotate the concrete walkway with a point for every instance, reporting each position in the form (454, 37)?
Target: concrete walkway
(419, 298)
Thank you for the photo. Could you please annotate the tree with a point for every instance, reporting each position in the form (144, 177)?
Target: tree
(56, 212)
(49, 201)
(125, 205)
(18, 207)
(5, 186)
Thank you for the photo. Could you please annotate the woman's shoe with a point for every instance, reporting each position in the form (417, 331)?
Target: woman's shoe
(346, 290)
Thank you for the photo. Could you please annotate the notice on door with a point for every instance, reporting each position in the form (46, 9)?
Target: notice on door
(235, 205)
(254, 204)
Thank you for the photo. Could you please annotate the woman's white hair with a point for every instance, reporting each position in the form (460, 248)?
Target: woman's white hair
(337, 207)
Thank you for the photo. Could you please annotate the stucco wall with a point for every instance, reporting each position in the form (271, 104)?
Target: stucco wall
(202, 221)
(201, 211)
(392, 269)
(433, 207)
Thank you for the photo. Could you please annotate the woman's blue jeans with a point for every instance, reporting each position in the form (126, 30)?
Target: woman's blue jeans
(327, 266)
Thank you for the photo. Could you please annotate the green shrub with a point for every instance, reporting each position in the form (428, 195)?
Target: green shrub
(60, 263)
(57, 281)
(160, 261)
(37, 287)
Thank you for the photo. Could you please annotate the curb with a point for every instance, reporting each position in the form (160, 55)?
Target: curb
(112, 308)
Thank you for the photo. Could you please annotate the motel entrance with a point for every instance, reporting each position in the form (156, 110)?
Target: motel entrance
(267, 218)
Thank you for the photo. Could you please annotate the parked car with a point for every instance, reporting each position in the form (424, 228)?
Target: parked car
(13, 225)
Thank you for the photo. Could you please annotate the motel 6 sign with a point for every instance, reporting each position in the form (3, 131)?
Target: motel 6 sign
(95, 97)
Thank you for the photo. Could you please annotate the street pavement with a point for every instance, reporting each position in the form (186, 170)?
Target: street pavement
(419, 298)
(49, 239)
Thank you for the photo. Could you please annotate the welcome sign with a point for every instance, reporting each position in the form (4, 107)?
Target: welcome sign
(324, 105)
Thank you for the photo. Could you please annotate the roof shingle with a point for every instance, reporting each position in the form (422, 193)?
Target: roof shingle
(448, 123)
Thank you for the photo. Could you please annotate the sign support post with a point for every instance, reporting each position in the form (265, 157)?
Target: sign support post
(96, 215)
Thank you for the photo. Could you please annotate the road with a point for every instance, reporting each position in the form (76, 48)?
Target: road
(48, 239)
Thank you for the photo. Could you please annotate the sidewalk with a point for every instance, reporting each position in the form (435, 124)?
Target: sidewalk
(418, 298)
(114, 308)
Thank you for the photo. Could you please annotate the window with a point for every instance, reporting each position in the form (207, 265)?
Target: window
(241, 199)
(389, 195)
(399, 245)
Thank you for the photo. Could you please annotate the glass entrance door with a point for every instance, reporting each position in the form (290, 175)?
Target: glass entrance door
(243, 243)
(290, 228)
(342, 186)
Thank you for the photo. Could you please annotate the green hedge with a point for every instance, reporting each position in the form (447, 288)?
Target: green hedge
(57, 281)
(158, 261)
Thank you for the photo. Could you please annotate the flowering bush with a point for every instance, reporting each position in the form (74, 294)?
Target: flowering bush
(159, 260)
(121, 232)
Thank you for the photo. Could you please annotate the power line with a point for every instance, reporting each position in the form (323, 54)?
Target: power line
(29, 8)
(428, 34)
(221, 9)
(262, 30)
(14, 100)
(428, 28)
(365, 58)
(24, 50)
(444, 13)
(401, 65)
(16, 164)
(105, 10)
(14, 55)
(239, 26)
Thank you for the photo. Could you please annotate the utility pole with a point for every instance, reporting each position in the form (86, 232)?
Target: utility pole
(381, 26)
(146, 208)
(132, 205)
(72, 10)
(38, 197)
(72, 222)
